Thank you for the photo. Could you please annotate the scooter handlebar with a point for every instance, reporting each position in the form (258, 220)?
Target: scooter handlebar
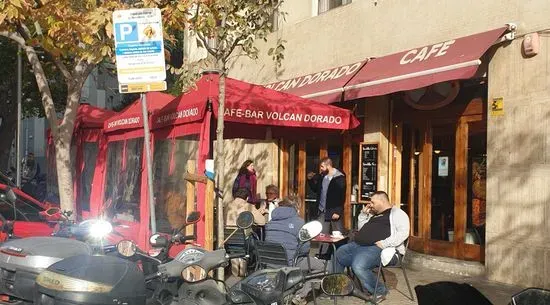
(315, 275)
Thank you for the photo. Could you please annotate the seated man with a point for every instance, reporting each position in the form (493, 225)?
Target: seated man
(382, 226)
(283, 228)
(271, 199)
(234, 208)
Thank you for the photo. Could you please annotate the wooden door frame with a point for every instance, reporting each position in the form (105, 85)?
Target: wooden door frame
(474, 112)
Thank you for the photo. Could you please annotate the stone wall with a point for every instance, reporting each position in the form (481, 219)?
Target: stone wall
(369, 28)
(518, 196)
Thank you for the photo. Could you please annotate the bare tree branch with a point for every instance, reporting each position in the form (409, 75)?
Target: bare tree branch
(205, 44)
(61, 66)
(15, 37)
(24, 31)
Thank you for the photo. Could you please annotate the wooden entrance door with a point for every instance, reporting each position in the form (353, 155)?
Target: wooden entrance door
(442, 180)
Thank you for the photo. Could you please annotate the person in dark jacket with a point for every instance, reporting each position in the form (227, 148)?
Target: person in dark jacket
(283, 229)
(331, 197)
(284, 226)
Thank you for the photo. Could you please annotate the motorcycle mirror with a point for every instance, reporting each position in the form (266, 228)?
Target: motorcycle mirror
(337, 284)
(157, 240)
(126, 248)
(193, 274)
(193, 217)
(310, 230)
(51, 214)
(245, 220)
(10, 196)
(52, 211)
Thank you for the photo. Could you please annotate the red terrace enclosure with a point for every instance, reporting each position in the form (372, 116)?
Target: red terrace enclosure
(181, 134)
(87, 136)
(119, 179)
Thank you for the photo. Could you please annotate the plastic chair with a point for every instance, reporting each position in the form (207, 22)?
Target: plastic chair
(400, 265)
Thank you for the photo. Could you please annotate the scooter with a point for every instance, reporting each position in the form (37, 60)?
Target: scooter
(268, 286)
(21, 260)
(87, 279)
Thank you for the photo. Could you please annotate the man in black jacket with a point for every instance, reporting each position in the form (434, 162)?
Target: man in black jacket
(331, 197)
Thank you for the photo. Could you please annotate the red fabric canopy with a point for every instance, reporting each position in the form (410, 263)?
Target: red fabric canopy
(89, 116)
(420, 67)
(131, 116)
(254, 104)
(325, 86)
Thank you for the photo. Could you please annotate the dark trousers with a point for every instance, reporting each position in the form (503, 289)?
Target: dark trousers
(328, 227)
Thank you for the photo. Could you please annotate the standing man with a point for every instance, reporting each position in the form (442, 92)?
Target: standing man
(331, 197)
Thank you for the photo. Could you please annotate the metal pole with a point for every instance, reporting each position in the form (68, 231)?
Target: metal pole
(147, 139)
(220, 170)
(18, 137)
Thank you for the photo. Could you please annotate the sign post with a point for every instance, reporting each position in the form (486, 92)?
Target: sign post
(139, 49)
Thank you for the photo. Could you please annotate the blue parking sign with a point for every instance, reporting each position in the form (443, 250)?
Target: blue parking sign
(139, 48)
(126, 32)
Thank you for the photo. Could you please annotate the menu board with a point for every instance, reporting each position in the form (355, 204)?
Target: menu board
(368, 170)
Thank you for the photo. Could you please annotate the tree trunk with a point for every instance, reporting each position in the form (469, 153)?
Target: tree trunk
(64, 173)
(61, 132)
(220, 162)
(63, 140)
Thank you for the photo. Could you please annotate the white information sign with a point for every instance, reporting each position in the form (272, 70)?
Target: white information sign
(443, 166)
(139, 48)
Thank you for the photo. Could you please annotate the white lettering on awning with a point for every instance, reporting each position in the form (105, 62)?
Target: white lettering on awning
(283, 116)
(178, 115)
(424, 53)
(123, 122)
(323, 76)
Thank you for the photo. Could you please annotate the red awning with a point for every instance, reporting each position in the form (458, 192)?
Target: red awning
(325, 86)
(89, 116)
(420, 67)
(131, 116)
(254, 104)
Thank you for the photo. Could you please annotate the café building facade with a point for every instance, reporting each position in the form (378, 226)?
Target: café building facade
(454, 95)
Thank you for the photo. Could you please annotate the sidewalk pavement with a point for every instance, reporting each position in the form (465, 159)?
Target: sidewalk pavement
(497, 293)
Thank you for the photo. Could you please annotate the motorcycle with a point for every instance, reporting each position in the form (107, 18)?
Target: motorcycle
(22, 260)
(87, 279)
(268, 286)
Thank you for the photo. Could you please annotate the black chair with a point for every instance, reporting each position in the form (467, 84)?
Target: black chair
(235, 240)
(270, 255)
(273, 255)
(449, 293)
(400, 258)
(239, 243)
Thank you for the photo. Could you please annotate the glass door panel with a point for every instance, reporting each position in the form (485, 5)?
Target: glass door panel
(312, 168)
(410, 175)
(477, 181)
(443, 170)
